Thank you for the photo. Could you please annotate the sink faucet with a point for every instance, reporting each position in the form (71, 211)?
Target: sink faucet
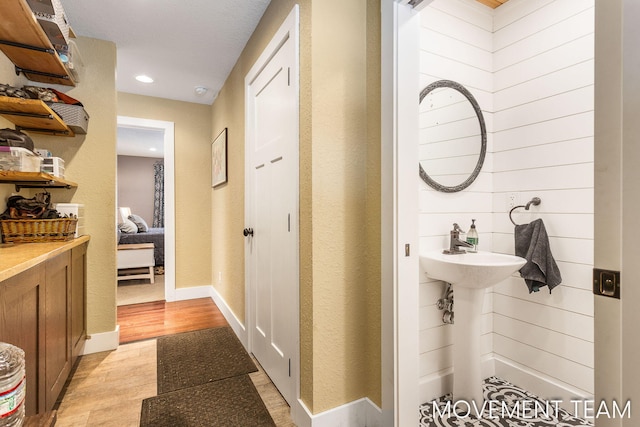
(455, 244)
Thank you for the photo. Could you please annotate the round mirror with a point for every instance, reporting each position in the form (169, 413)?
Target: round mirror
(453, 136)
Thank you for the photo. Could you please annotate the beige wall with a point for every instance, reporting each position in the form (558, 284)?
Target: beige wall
(339, 195)
(90, 161)
(192, 179)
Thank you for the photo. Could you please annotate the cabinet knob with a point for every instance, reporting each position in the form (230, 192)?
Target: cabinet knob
(248, 232)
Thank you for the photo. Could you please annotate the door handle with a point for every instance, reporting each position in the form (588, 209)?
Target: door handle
(247, 232)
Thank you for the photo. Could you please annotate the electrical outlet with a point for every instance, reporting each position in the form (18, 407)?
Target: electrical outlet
(512, 200)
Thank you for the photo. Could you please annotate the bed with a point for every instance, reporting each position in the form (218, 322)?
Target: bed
(154, 235)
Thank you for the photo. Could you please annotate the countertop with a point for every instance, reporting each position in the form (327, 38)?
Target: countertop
(16, 258)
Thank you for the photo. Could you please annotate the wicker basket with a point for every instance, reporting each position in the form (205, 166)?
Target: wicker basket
(38, 230)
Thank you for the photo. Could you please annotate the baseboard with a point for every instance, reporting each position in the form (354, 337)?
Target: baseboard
(104, 341)
(183, 294)
(436, 385)
(359, 413)
(235, 323)
(539, 384)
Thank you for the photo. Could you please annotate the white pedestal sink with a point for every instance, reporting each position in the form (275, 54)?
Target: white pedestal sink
(469, 274)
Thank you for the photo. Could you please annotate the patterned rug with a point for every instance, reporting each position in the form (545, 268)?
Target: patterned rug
(203, 381)
(199, 357)
(231, 402)
(506, 405)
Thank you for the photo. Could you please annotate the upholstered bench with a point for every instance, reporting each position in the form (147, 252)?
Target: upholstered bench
(138, 255)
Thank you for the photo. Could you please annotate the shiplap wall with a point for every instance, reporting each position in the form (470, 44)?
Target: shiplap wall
(456, 44)
(530, 65)
(543, 146)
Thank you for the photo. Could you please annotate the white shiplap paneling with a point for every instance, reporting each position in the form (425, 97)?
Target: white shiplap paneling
(537, 96)
(566, 55)
(558, 24)
(456, 44)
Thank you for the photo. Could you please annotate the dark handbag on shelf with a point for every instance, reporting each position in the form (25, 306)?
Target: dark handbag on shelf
(15, 138)
(37, 207)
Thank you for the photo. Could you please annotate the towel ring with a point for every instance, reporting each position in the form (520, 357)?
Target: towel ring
(535, 202)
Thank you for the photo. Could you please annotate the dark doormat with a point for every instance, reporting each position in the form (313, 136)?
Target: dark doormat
(199, 357)
(230, 402)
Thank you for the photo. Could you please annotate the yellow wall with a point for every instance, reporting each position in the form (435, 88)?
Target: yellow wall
(192, 179)
(339, 195)
(90, 161)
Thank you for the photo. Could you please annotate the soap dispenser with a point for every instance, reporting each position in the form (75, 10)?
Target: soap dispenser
(472, 237)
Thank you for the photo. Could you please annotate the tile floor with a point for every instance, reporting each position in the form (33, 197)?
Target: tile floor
(107, 389)
(521, 409)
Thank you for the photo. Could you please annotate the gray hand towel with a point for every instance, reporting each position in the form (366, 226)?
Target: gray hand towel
(532, 244)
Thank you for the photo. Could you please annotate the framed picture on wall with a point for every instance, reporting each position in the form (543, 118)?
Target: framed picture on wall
(219, 159)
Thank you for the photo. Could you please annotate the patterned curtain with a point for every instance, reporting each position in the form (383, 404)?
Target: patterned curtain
(158, 197)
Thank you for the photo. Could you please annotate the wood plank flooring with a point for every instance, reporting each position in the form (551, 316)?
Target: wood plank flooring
(155, 319)
(107, 389)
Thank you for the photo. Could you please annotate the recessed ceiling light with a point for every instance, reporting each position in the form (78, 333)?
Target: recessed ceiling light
(200, 90)
(152, 149)
(144, 79)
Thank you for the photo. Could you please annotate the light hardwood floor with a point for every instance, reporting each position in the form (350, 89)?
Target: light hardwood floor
(155, 319)
(107, 388)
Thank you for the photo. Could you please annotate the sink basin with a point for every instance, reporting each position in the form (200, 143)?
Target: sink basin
(469, 274)
(471, 270)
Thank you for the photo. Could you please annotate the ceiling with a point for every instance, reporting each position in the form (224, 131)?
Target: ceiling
(180, 44)
(140, 142)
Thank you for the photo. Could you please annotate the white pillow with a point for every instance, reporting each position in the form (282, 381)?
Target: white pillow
(128, 226)
(140, 223)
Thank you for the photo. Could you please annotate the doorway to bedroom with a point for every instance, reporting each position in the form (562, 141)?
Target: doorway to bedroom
(144, 197)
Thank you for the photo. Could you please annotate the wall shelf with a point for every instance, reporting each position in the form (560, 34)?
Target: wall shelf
(25, 43)
(33, 115)
(34, 180)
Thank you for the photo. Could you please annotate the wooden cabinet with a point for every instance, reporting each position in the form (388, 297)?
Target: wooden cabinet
(22, 315)
(78, 300)
(42, 311)
(57, 325)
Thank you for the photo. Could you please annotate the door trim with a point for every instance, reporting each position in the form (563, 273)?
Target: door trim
(169, 196)
(399, 126)
(288, 30)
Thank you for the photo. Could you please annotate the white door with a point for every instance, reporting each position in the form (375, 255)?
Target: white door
(271, 213)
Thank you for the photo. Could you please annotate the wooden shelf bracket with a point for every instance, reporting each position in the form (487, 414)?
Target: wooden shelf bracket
(26, 114)
(41, 73)
(28, 46)
(39, 184)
